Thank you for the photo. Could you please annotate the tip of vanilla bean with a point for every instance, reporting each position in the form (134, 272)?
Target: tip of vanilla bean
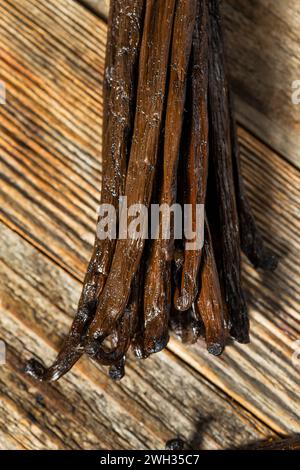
(239, 335)
(35, 369)
(157, 345)
(175, 444)
(139, 351)
(117, 371)
(215, 349)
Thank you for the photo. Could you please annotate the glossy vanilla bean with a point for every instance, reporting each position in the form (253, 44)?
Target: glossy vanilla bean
(157, 299)
(196, 164)
(224, 201)
(169, 136)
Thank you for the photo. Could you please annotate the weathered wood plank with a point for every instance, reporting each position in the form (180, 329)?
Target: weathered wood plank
(158, 399)
(263, 50)
(53, 71)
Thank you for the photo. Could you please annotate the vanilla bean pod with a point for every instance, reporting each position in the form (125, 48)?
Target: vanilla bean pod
(117, 371)
(123, 334)
(210, 305)
(108, 356)
(157, 301)
(123, 43)
(224, 203)
(137, 344)
(143, 156)
(169, 136)
(196, 166)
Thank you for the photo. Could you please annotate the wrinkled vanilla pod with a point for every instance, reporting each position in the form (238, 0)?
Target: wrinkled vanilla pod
(169, 136)
(197, 153)
(187, 326)
(210, 305)
(157, 301)
(225, 201)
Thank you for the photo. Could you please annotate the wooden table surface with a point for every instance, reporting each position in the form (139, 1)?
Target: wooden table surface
(51, 61)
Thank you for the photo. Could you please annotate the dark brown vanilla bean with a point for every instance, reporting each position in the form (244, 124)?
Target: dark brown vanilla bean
(125, 330)
(137, 343)
(157, 301)
(210, 306)
(169, 137)
(224, 203)
(150, 101)
(251, 240)
(123, 44)
(186, 326)
(123, 338)
(197, 155)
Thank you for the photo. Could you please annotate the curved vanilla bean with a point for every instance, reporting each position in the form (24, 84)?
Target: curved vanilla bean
(210, 306)
(197, 155)
(117, 370)
(124, 35)
(251, 240)
(115, 358)
(157, 301)
(187, 327)
(143, 156)
(124, 331)
(123, 338)
(227, 229)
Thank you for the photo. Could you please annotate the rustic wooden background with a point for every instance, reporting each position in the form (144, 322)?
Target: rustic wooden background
(51, 60)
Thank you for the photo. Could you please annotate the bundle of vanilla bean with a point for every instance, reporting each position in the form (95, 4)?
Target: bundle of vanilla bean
(169, 136)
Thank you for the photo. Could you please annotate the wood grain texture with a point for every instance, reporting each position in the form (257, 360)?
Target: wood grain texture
(51, 125)
(263, 51)
(262, 39)
(157, 400)
(50, 153)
